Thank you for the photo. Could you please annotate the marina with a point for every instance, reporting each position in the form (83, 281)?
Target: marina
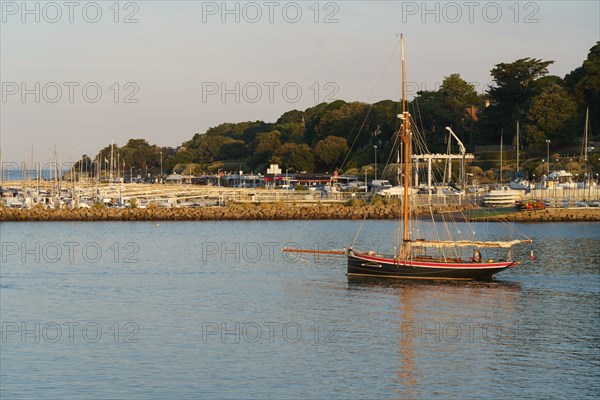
(361, 200)
(24, 194)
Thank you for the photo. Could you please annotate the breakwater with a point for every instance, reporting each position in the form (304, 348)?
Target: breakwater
(235, 212)
(551, 215)
(244, 212)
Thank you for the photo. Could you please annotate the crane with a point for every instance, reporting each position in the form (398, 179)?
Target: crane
(463, 151)
(460, 144)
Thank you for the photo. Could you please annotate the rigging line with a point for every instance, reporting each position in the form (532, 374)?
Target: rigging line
(496, 216)
(514, 228)
(304, 226)
(397, 136)
(361, 224)
(437, 234)
(418, 111)
(388, 161)
(355, 138)
(369, 100)
(345, 159)
(371, 203)
(359, 229)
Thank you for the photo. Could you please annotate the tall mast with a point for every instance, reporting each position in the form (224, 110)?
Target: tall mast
(112, 145)
(406, 142)
(585, 135)
(501, 145)
(518, 145)
(585, 146)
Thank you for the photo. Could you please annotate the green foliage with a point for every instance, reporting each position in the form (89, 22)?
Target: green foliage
(447, 106)
(335, 119)
(232, 149)
(331, 151)
(514, 87)
(584, 84)
(264, 146)
(320, 137)
(293, 116)
(549, 114)
(295, 157)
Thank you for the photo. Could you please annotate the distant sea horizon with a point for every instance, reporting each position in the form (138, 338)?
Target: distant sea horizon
(46, 171)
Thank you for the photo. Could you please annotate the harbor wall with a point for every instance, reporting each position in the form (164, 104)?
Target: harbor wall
(246, 212)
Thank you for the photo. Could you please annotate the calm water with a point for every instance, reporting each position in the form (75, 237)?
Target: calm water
(215, 310)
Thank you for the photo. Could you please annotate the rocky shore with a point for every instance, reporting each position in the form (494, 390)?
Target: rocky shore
(245, 212)
(234, 212)
(552, 215)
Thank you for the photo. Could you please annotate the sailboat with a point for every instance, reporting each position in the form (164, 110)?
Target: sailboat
(501, 196)
(588, 180)
(519, 183)
(420, 258)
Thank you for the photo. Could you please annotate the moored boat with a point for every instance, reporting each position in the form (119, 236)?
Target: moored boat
(420, 267)
(430, 259)
(502, 197)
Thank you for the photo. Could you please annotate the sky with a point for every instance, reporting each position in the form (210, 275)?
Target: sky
(77, 75)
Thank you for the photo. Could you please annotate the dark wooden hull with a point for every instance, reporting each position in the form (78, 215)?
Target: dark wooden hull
(363, 264)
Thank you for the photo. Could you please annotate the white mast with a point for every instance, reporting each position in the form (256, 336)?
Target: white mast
(518, 145)
(501, 146)
(585, 135)
(585, 146)
(111, 159)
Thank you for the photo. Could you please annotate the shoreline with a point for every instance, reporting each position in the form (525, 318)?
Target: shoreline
(269, 212)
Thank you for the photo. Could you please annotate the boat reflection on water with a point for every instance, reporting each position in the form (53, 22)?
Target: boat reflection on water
(428, 305)
(359, 282)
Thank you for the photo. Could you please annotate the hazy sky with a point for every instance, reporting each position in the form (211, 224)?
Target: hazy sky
(77, 75)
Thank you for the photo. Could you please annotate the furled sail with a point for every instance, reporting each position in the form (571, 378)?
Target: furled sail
(466, 243)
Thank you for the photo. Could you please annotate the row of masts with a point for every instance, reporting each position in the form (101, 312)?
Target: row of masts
(55, 169)
(518, 144)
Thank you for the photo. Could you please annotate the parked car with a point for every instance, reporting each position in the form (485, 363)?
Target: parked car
(380, 184)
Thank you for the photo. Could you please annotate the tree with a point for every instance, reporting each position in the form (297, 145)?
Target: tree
(426, 108)
(514, 86)
(291, 132)
(330, 151)
(514, 81)
(207, 148)
(337, 118)
(297, 157)
(137, 152)
(584, 84)
(293, 116)
(456, 96)
(302, 159)
(233, 150)
(446, 107)
(86, 165)
(549, 114)
(264, 147)
(181, 157)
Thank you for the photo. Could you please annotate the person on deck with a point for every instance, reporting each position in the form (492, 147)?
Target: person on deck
(476, 256)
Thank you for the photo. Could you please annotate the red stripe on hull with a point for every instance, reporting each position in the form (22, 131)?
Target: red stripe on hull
(361, 264)
(426, 264)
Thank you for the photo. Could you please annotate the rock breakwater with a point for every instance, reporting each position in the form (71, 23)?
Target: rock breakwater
(247, 212)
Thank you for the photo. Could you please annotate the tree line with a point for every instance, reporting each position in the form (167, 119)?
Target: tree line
(342, 135)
